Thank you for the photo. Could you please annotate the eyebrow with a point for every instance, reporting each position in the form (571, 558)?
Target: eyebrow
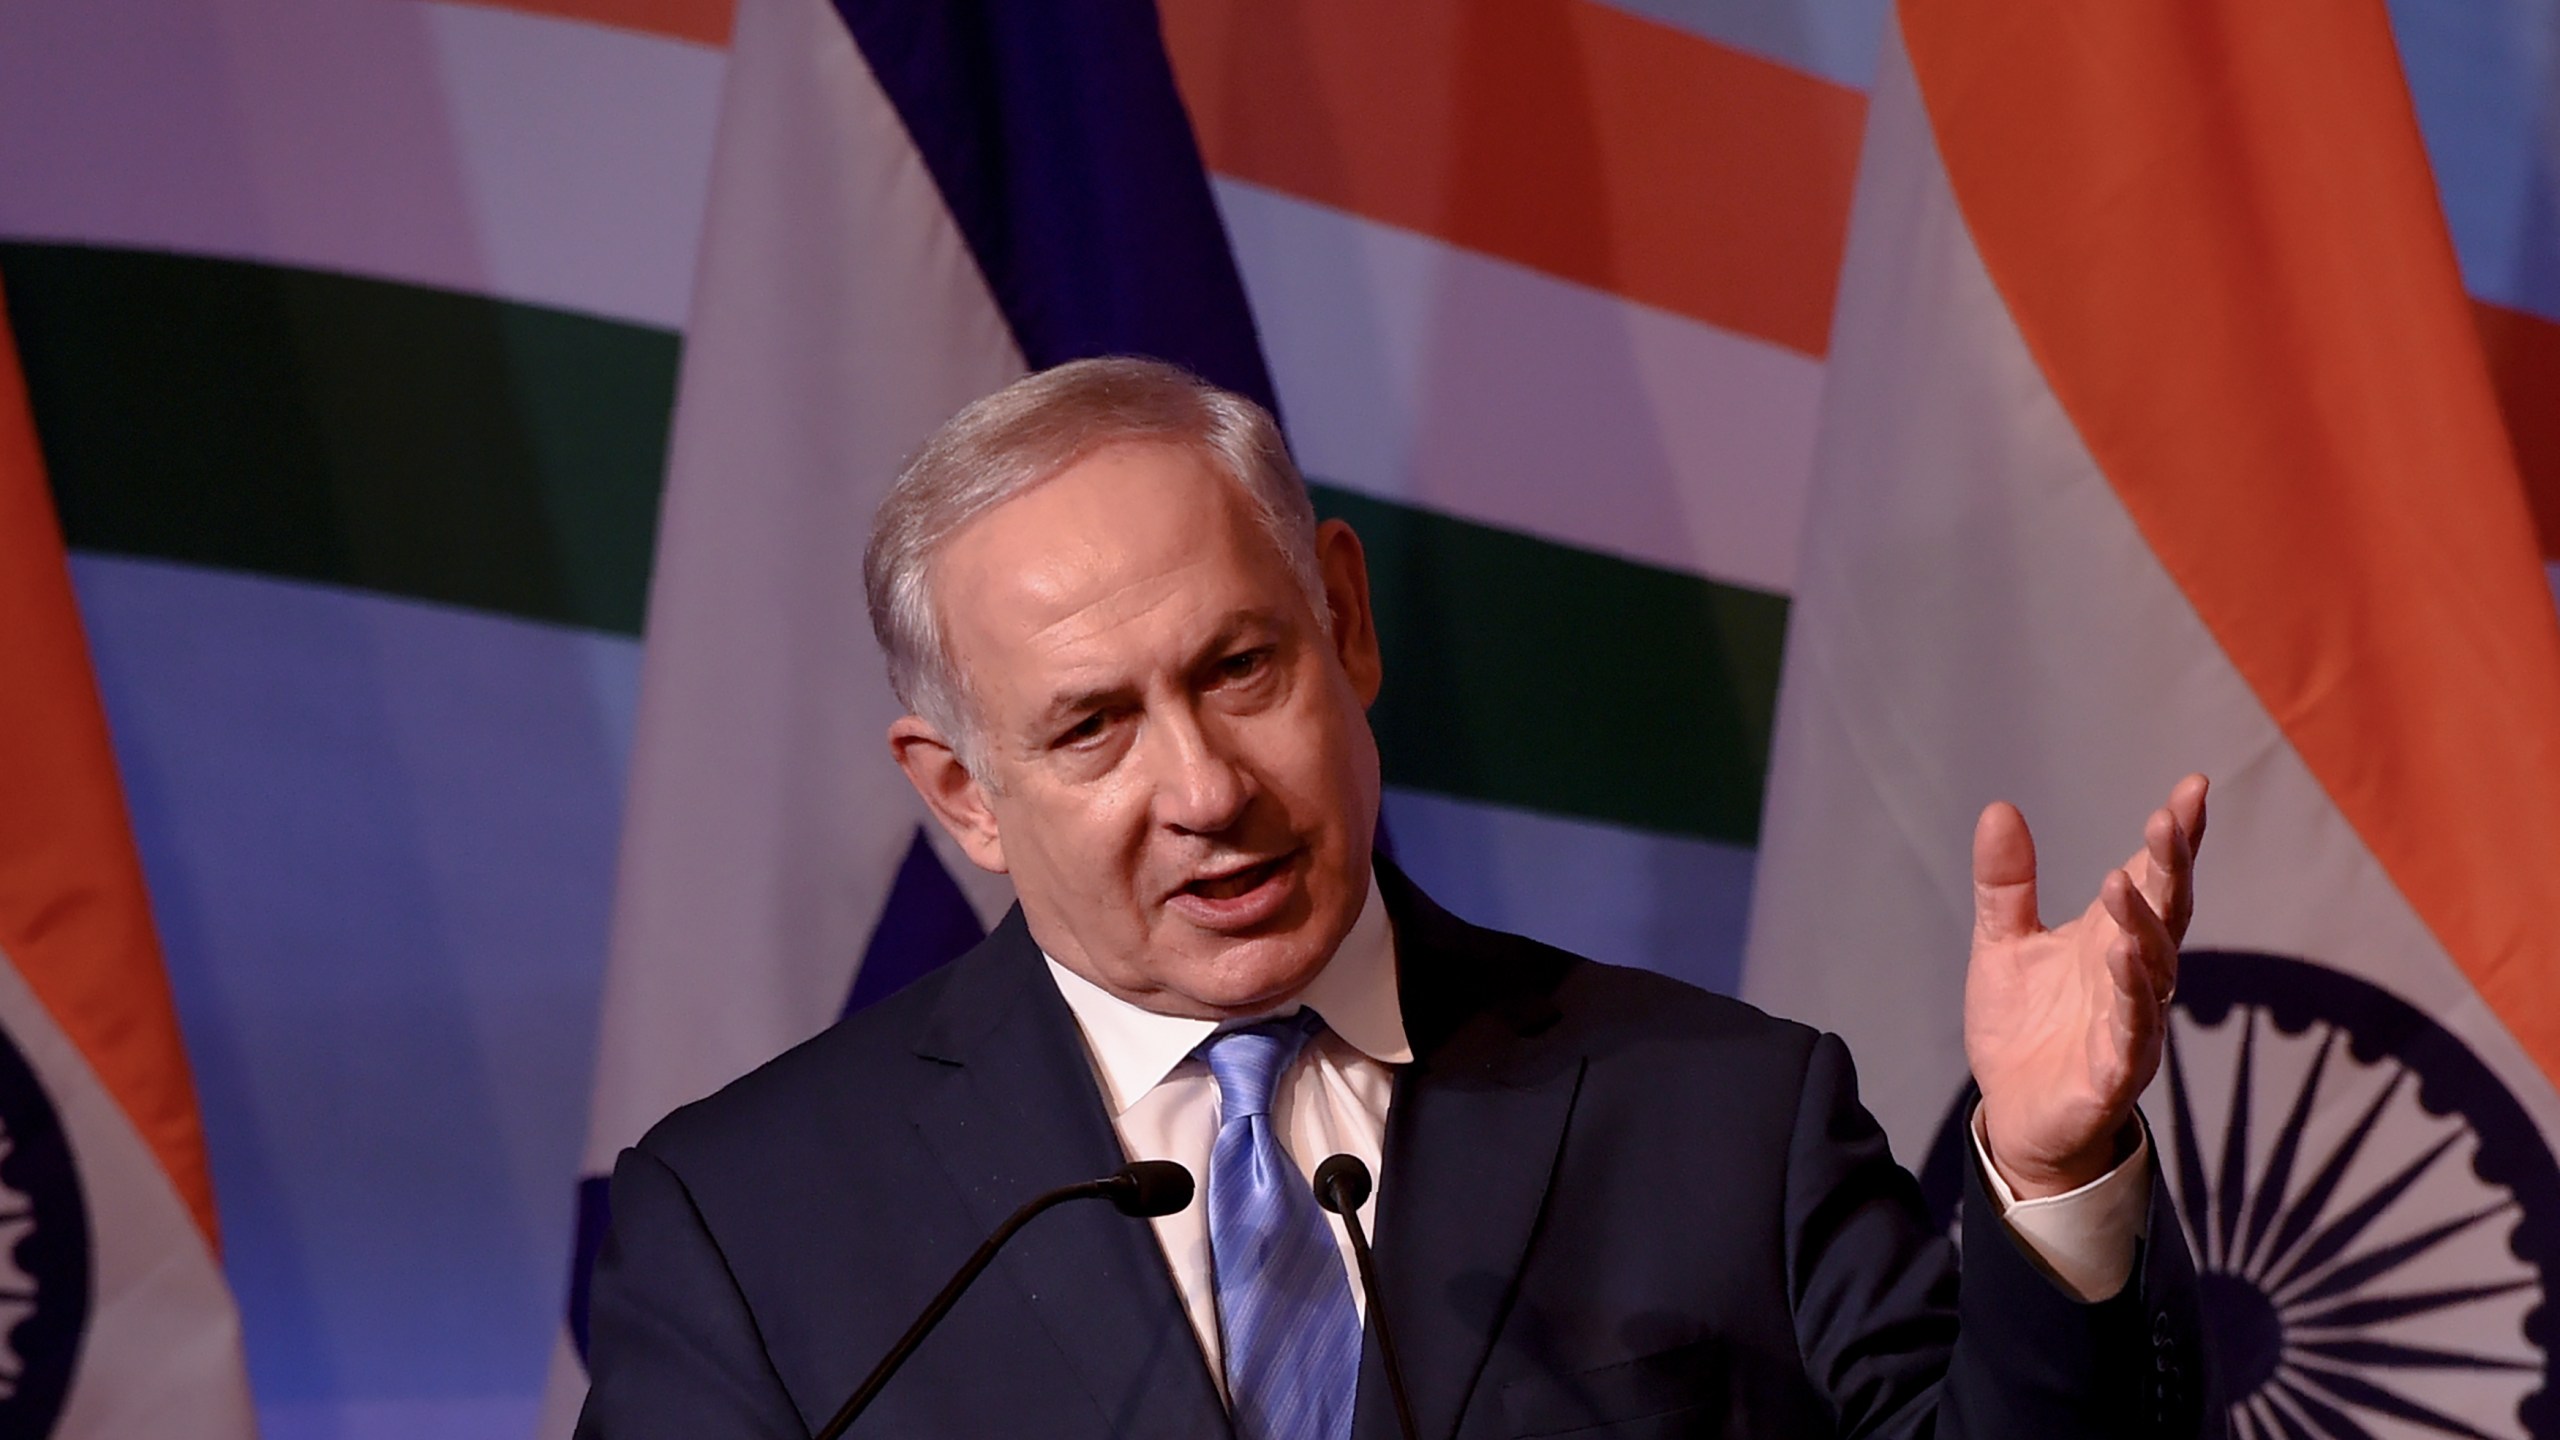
(1235, 627)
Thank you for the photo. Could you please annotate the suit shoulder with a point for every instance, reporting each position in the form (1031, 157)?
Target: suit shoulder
(1640, 1006)
(1624, 1003)
(1666, 1061)
(868, 1054)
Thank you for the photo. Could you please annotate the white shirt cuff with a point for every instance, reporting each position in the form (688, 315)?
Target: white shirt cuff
(2082, 1239)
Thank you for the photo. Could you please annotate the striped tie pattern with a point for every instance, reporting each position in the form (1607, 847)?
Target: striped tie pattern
(1292, 1335)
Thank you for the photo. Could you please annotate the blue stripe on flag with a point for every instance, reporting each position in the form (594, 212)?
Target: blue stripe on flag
(595, 1212)
(925, 922)
(1062, 149)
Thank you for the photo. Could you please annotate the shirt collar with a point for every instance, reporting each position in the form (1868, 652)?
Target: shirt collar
(1135, 1048)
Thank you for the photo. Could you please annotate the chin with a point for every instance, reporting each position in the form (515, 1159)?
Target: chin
(1257, 974)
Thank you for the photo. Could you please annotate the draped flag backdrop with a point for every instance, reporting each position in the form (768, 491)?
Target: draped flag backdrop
(2154, 383)
(396, 363)
(114, 1319)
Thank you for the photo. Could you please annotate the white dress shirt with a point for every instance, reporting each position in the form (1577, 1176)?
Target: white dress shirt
(1164, 1104)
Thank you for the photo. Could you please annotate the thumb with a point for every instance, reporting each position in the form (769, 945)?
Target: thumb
(2004, 874)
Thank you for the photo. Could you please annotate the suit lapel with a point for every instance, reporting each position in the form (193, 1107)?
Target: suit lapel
(1471, 1146)
(1018, 1113)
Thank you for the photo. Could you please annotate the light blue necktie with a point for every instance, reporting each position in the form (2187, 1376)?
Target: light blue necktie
(1292, 1335)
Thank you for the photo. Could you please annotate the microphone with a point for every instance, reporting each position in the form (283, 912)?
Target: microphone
(1145, 1189)
(1141, 1188)
(1342, 1186)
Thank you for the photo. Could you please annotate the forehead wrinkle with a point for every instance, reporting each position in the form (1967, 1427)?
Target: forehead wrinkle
(1127, 603)
(1036, 609)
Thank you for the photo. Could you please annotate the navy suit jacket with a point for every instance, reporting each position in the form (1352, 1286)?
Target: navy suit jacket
(1613, 1206)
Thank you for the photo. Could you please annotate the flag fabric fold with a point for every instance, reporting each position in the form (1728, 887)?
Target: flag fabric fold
(912, 204)
(2157, 438)
(114, 1315)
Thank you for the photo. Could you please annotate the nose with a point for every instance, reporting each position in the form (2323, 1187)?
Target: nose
(1201, 789)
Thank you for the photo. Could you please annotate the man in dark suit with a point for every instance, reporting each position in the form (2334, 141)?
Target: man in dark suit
(1608, 1204)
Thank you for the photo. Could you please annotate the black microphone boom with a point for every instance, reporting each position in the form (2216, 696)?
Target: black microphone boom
(1342, 1186)
(1141, 1188)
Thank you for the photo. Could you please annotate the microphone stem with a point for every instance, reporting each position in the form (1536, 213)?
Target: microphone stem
(1377, 1311)
(861, 1399)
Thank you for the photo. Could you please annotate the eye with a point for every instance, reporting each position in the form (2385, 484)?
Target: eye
(1244, 664)
(1083, 732)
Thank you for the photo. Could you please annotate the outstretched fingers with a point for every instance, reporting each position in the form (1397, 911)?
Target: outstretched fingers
(2186, 803)
(2166, 873)
(2168, 880)
(2004, 875)
(2143, 958)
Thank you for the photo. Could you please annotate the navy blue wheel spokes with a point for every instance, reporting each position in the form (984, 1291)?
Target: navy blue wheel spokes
(2374, 1217)
(45, 1261)
(2371, 1211)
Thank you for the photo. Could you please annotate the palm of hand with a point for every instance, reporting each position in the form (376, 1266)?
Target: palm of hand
(2064, 1026)
(2057, 1051)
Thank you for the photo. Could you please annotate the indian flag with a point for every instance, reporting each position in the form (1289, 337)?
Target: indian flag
(114, 1317)
(2158, 437)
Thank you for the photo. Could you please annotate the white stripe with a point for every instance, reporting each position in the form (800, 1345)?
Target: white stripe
(1420, 372)
(459, 146)
(847, 320)
(161, 1355)
(1629, 897)
(1977, 618)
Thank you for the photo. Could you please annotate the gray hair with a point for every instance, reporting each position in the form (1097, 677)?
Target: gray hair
(1023, 436)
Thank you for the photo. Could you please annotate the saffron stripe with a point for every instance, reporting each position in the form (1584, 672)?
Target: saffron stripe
(1595, 145)
(2281, 378)
(2524, 365)
(1419, 373)
(704, 22)
(74, 919)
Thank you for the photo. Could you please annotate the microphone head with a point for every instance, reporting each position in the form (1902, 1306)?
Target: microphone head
(1148, 1188)
(1342, 1184)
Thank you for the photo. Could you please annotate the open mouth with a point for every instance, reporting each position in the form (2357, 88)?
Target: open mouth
(1236, 882)
(1238, 901)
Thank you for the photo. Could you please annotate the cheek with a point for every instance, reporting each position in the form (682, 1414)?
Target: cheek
(1343, 719)
(1088, 841)
(1322, 756)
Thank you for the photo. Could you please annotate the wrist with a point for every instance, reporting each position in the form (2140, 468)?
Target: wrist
(2040, 1178)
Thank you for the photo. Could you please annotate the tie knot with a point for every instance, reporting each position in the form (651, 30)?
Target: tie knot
(1247, 1061)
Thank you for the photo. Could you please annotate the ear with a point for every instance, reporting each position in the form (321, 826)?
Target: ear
(1345, 567)
(954, 796)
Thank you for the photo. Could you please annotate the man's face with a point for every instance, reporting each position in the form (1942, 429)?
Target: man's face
(1177, 768)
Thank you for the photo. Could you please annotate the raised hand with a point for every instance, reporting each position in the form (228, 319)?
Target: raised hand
(2064, 1027)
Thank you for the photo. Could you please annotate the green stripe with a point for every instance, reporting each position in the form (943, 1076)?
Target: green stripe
(1540, 676)
(505, 457)
(321, 427)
